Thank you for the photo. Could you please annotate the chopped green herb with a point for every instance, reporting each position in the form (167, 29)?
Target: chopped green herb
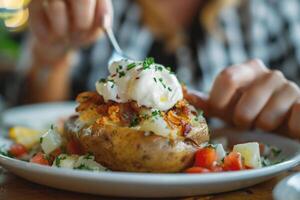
(158, 68)
(83, 167)
(200, 112)
(275, 151)
(170, 70)
(134, 122)
(4, 152)
(145, 116)
(52, 127)
(147, 62)
(121, 74)
(131, 66)
(162, 83)
(41, 140)
(102, 80)
(169, 89)
(156, 113)
(120, 67)
(155, 80)
(59, 159)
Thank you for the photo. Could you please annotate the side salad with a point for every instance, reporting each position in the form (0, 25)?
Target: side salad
(49, 148)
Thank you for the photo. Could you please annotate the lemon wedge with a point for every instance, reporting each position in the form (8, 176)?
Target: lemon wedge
(25, 136)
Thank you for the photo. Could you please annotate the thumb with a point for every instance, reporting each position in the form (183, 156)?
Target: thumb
(199, 100)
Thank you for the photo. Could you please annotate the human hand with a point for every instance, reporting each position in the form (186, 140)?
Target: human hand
(60, 25)
(250, 95)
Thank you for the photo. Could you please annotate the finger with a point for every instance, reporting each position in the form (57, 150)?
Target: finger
(91, 37)
(294, 121)
(57, 15)
(197, 99)
(256, 97)
(103, 14)
(82, 14)
(38, 22)
(232, 79)
(278, 107)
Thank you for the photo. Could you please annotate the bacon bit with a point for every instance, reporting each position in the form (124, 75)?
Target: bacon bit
(102, 110)
(180, 104)
(117, 96)
(194, 112)
(102, 120)
(186, 129)
(173, 118)
(113, 112)
(113, 75)
(185, 110)
(137, 78)
(135, 107)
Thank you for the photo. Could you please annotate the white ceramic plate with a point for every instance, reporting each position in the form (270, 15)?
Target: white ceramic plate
(38, 116)
(142, 184)
(288, 188)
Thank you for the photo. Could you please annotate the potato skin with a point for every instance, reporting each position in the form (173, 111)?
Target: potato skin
(126, 149)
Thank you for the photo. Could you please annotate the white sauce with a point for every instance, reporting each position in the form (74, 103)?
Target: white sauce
(153, 86)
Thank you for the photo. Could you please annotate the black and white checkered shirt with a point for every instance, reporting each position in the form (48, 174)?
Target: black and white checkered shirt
(265, 29)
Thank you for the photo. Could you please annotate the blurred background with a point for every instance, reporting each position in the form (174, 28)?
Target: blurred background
(265, 29)
(13, 22)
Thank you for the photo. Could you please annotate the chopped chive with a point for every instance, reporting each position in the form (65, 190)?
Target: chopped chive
(155, 80)
(147, 62)
(102, 80)
(169, 89)
(121, 74)
(130, 66)
(156, 113)
(134, 122)
(275, 151)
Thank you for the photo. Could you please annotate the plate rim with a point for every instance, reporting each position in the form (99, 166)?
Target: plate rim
(156, 178)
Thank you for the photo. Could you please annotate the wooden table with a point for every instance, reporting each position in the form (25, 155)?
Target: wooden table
(15, 188)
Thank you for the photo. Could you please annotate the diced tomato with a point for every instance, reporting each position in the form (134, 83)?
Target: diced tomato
(206, 157)
(39, 158)
(197, 170)
(233, 162)
(247, 167)
(56, 152)
(261, 148)
(17, 150)
(73, 147)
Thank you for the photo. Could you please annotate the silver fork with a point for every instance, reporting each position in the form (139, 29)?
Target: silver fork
(117, 53)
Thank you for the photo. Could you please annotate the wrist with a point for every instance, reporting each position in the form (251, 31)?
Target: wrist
(51, 55)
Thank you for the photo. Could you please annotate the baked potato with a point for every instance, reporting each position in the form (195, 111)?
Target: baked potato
(106, 130)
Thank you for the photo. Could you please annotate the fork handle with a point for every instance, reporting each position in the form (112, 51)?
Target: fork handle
(112, 39)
